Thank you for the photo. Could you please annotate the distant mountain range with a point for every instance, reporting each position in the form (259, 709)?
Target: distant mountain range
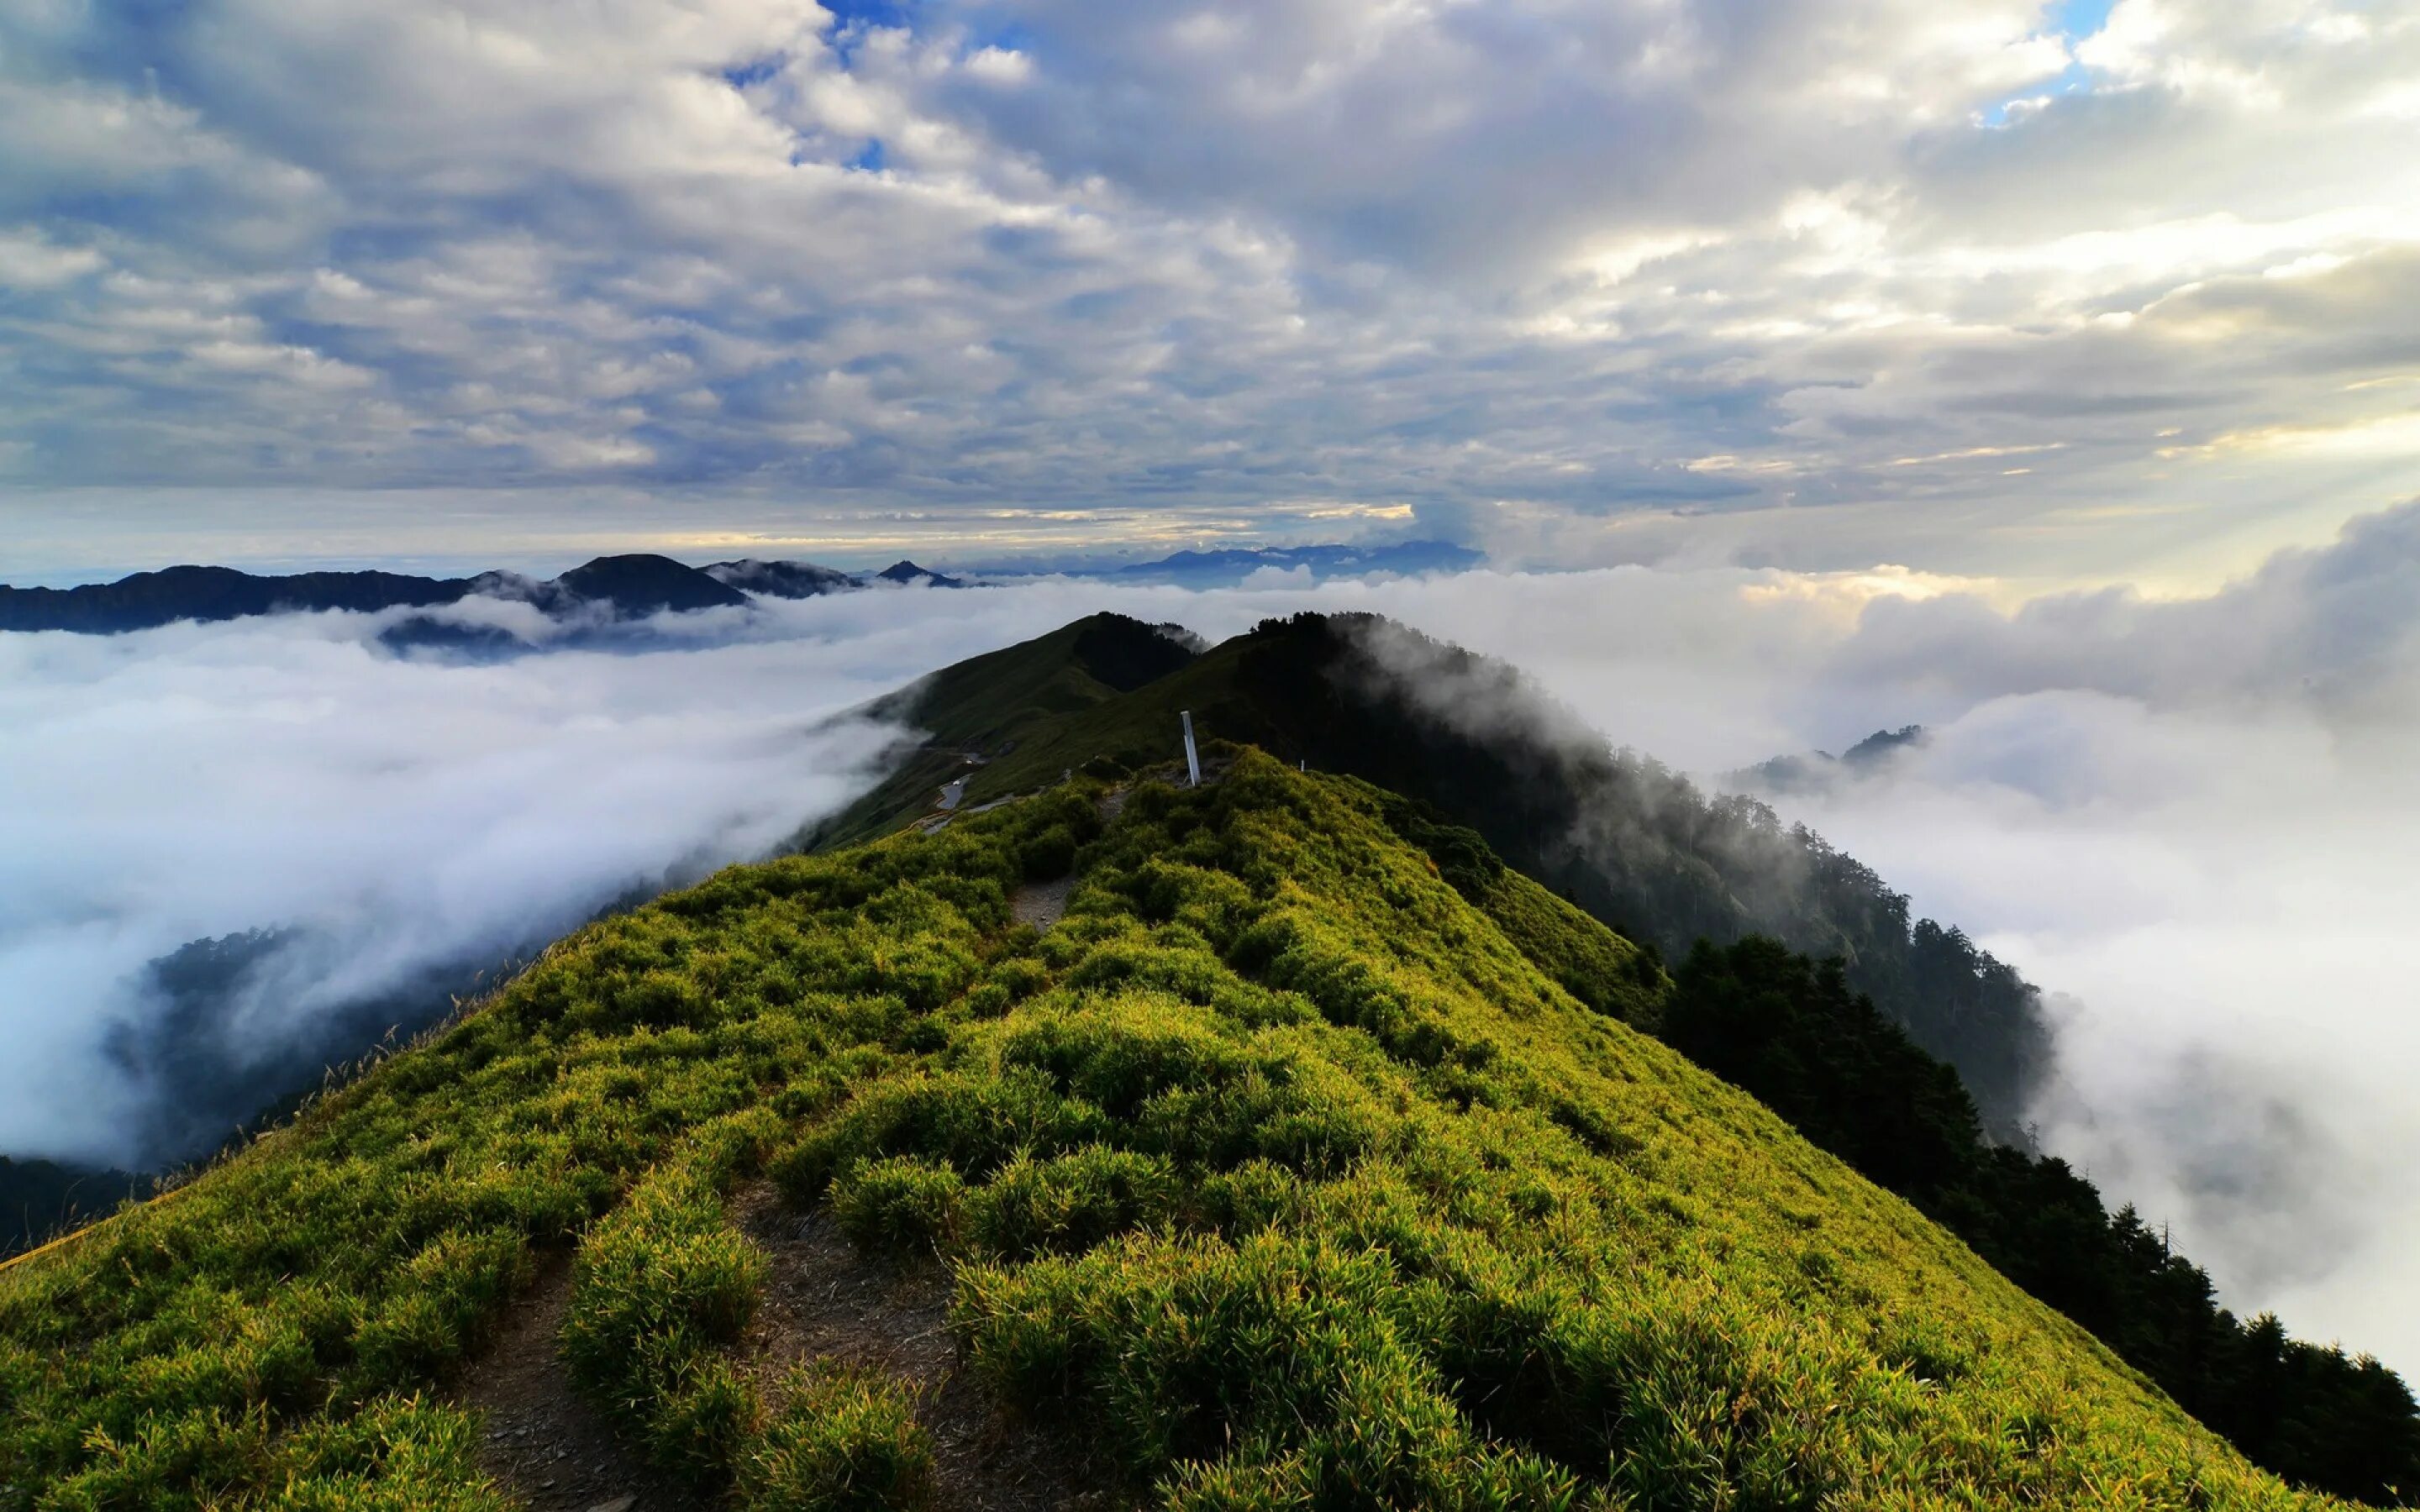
(1209, 569)
(614, 588)
(618, 587)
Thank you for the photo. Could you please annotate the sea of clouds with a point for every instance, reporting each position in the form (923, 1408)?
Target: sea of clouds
(2190, 821)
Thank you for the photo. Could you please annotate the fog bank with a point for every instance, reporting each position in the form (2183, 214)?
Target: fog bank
(2186, 820)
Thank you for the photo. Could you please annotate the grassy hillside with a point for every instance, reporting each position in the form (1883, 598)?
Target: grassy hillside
(1276, 1173)
(983, 709)
(1633, 844)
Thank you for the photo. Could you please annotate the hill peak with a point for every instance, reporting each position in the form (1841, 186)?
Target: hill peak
(644, 583)
(905, 571)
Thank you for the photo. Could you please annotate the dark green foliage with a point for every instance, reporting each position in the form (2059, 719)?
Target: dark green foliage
(899, 1203)
(1049, 855)
(1070, 1203)
(1790, 1030)
(1763, 1017)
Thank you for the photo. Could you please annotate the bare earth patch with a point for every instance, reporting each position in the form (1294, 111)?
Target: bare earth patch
(543, 1444)
(1041, 904)
(826, 1301)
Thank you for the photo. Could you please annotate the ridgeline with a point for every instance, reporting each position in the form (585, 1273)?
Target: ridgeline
(1092, 1141)
(1273, 1173)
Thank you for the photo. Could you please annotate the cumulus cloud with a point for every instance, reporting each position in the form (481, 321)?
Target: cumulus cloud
(1998, 296)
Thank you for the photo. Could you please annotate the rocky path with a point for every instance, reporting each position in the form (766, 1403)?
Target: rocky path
(543, 1444)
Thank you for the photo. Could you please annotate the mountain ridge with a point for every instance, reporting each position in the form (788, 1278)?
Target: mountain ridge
(1767, 1020)
(1817, 1050)
(632, 585)
(635, 584)
(1525, 774)
(1274, 1172)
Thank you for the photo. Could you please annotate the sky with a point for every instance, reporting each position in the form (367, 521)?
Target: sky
(2050, 294)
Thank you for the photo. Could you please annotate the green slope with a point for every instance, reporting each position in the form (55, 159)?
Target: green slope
(985, 707)
(1628, 841)
(1634, 844)
(1276, 1172)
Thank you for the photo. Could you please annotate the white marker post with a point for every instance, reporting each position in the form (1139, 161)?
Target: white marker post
(1192, 762)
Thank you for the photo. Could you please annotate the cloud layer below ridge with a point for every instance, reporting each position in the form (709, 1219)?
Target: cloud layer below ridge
(2189, 820)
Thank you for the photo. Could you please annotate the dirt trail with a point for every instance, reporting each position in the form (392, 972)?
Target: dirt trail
(827, 1301)
(543, 1444)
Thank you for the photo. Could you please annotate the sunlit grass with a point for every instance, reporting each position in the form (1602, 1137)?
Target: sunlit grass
(1277, 1170)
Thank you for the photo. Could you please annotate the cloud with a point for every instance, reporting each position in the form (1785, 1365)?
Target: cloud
(2186, 819)
(238, 853)
(404, 823)
(979, 267)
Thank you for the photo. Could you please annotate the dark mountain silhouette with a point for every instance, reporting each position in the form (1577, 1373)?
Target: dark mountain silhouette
(634, 586)
(216, 1045)
(150, 599)
(41, 1197)
(644, 584)
(1818, 770)
(780, 579)
(905, 571)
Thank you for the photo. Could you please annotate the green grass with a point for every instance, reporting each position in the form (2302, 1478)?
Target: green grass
(996, 704)
(843, 1442)
(1280, 1170)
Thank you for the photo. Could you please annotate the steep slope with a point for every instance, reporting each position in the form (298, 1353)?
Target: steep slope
(1615, 832)
(1274, 1173)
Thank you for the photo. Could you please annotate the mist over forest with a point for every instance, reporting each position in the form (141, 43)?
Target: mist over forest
(259, 845)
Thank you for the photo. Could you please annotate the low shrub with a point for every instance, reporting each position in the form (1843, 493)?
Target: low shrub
(843, 1442)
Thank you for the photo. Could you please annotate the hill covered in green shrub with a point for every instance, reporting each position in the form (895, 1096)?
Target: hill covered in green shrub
(1276, 1172)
